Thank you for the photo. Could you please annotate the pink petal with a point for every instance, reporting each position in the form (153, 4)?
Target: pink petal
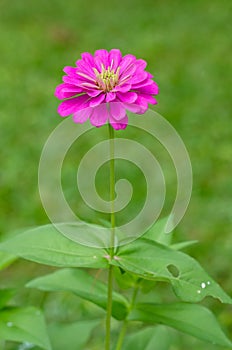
(127, 61)
(142, 102)
(119, 125)
(115, 58)
(151, 89)
(95, 101)
(144, 82)
(73, 105)
(93, 93)
(88, 85)
(122, 88)
(127, 73)
(117, 110)
(100, 115)
(101, 56)
(73, 80)
(70, 70)
(138, 77)
(98, 63)
(141, 64)
(110, 96)
(81, 73)
(128, 97)
(82, 115)
(88, 58)
(84, 67)
(86, 76)
(148, 99)
(66, 90)
(134, 108)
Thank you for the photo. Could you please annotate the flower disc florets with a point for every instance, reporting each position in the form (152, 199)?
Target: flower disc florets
(107, 79)
(103, 86)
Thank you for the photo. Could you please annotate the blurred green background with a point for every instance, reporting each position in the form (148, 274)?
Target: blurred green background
(187, 45)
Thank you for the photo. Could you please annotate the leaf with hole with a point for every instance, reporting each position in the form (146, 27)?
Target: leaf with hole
(153, 261)
(192, 319)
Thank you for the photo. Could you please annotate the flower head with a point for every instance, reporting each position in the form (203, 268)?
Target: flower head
(101, 87)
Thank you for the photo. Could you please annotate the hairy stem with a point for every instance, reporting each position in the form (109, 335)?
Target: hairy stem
(112, 239)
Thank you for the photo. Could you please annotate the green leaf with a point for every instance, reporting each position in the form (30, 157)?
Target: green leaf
(154, 261)
(83, 285)
(150, 338)
(71, 336)
(127, 280)
(192, 319)
(46, 245)
(124, 279)
(5, 296)
(6, 259)
(24, 325)
(182, 245)
(157, 232)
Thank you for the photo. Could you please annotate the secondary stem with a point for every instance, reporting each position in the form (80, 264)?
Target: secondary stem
(112, 239)
(125, 323)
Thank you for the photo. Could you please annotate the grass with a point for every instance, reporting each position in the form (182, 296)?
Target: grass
(186, 45)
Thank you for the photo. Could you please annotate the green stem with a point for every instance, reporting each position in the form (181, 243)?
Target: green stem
(125, 322)
(109, 308)
(112, 186)
(122, 335)
(112, 240)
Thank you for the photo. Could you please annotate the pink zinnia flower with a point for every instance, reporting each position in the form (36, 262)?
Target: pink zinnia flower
(102, 87)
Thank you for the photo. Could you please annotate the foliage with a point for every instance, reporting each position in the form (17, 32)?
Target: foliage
(141, 262)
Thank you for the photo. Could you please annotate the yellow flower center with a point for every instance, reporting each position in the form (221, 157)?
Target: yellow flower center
(107, 79)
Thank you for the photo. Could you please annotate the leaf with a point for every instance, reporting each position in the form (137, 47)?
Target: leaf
(127, 280)
(182, 245)
(46, 245)
(71, 336)
(157, 232)
(124, 279)
(24, 325)
(5, 296)
(150, 338)
(154, 261)
(6, 259)
(83, 285)
(192, 319)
